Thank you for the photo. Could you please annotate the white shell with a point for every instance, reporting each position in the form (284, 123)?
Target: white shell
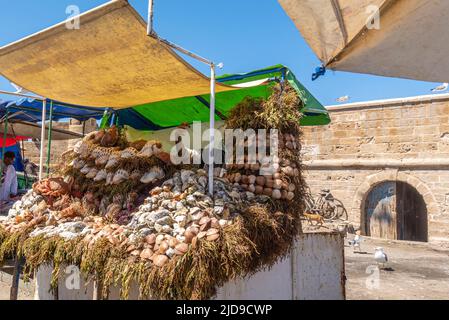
(92, 173)
(109, 178)
(85, 169)
(77, 147)
(156, 173)
(128, 153)
(120, 176)
(102, 160)
(78, 163)
(150, 149)
(112, 162)
(101, 175)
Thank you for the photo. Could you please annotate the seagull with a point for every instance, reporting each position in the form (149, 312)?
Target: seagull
(18, 88)
(343, 99)
(355, 243)
(441, 88)
(380, 256)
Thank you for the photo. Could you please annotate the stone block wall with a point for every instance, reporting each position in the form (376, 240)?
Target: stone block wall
(392, 140)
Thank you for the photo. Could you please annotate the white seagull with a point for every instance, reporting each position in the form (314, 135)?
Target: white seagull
(380, 256)
(343, 99)
(441, 88)
(355, 243)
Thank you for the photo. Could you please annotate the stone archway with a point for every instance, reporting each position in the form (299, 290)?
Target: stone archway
(359, 201)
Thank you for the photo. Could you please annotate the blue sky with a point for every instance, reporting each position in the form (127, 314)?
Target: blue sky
(244, 35)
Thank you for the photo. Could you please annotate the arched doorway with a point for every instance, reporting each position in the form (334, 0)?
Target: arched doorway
(395, 210)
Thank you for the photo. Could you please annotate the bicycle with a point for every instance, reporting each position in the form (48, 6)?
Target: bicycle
(330, 207)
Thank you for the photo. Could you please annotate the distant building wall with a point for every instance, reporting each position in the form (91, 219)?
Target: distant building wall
(392, 140)
(31, 148)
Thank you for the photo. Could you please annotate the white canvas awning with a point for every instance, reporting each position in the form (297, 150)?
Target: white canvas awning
(412, 41)
(108, 62)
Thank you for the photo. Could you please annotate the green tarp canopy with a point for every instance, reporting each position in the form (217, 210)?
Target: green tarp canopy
(171, 113)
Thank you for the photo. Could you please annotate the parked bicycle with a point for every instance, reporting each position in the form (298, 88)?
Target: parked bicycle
(326, 205)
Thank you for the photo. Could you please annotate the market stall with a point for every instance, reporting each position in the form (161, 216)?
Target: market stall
(119, 208)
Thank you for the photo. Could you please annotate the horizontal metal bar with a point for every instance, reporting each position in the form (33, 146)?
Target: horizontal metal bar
(181, 49)
(22, 95)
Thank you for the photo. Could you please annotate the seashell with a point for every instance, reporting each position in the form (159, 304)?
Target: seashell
(101, 175)
(156, 173)
(77, 147)
(128, 153)
(86, 169)
(201, 235)
(92, 173)
(146, 254)
(120, 176)
(182, 248)
(135, 175)
(78, 163)
(290, 196)
(173, 242)
(109, 178)
(276, 194)
(102, 160)
(163, 247)
(150, 148)
(150, 239)
(113, 161)
(212, 234)
(160, 260)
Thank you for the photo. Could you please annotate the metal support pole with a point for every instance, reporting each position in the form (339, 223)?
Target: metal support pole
(50, 127)
(5, 134)
(212, 129)
(150, 17)
(41, 160)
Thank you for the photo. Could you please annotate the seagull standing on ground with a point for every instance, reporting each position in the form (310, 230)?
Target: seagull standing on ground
(380, 256)
(355, 243)
(441, 88)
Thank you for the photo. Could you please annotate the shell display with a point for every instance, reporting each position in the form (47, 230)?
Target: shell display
(113, 161)
(156, 173)
(120, 176)
(92, 173)
(128, 153)
(101, 175)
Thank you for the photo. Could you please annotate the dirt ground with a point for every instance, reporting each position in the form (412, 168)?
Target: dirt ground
(415, 271)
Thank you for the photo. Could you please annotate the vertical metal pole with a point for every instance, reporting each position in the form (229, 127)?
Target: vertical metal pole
(150, 18)
(41, 160)
(5, 135)
(50, 127)
(212, 129)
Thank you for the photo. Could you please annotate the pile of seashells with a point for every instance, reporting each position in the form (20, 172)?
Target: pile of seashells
(150, 218)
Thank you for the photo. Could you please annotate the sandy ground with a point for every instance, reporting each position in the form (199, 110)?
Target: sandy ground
(415, 272)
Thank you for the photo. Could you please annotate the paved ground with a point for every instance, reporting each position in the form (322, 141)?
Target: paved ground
(415, 272)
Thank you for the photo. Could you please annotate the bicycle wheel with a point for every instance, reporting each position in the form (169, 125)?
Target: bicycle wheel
(327, 210)
(340, 209)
